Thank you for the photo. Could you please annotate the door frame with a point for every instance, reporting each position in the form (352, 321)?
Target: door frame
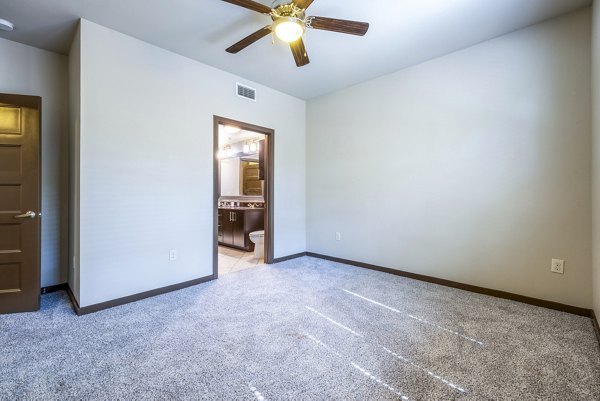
(268, 191)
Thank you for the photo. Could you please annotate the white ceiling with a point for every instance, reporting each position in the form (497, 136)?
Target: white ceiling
(402, 33)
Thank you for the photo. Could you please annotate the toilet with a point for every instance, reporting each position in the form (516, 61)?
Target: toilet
(258, 238)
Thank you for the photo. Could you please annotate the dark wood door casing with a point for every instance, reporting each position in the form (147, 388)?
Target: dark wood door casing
(267, 154)
(20, 130)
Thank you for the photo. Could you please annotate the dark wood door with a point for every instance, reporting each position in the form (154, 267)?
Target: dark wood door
(251, 184)
(19, 203)
(239, 239)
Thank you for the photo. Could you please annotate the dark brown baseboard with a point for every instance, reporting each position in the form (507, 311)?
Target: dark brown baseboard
(135, 297)
(289, 257)
(467, 287)
(54, 288)
(596, 326)
(74, 302)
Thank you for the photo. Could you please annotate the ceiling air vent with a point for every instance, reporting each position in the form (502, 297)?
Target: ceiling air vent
(246, 92)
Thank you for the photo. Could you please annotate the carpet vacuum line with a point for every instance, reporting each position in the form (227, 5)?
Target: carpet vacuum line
(388, 351)
(413, 317)
(359, 368)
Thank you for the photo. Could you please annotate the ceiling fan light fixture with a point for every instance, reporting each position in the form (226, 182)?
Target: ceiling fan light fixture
(289, 29)
(289, 24)
(6, 25)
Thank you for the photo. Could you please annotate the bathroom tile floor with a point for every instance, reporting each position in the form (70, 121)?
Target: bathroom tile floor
(233, 260)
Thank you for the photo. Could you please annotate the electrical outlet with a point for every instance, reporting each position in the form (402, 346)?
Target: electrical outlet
(558, 266)
(173, 254)
(338, 236)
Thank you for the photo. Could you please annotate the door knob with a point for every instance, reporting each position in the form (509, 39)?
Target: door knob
(28, 215)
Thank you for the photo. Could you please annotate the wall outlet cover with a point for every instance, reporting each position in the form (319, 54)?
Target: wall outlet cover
(558, 266)
(173, 254)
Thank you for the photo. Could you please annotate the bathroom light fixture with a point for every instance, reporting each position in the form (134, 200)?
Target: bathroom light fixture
(225, 152)
(289, 29)
(231, 129)
(6, 25)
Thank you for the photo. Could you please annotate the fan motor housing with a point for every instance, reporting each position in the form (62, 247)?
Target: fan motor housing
(288, 10)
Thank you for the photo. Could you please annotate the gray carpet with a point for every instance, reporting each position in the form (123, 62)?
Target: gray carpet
(305, 329)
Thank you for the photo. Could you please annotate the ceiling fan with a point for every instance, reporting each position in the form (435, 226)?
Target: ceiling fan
(289, 24)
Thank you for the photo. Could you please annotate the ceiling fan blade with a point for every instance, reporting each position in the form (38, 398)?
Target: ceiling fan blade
(339, 25)
(248, 40)
(304, 4)
(251, 5)
(299, 52)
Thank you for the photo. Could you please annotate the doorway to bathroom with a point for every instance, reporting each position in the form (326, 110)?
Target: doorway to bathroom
(243, 196)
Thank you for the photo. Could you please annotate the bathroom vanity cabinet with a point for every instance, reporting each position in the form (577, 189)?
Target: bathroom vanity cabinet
(236, 224)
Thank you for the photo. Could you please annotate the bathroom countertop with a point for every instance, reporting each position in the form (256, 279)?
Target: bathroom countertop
(240, 208)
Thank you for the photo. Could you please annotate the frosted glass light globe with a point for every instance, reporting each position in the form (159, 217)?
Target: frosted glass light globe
(289, 29)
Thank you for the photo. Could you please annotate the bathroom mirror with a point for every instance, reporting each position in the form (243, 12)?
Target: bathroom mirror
(240, 177)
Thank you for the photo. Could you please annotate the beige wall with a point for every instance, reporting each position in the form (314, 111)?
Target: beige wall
(146, 164)
(596, 150)
(473, 167)
(27, 70)
(74, 122)
(479, 159)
